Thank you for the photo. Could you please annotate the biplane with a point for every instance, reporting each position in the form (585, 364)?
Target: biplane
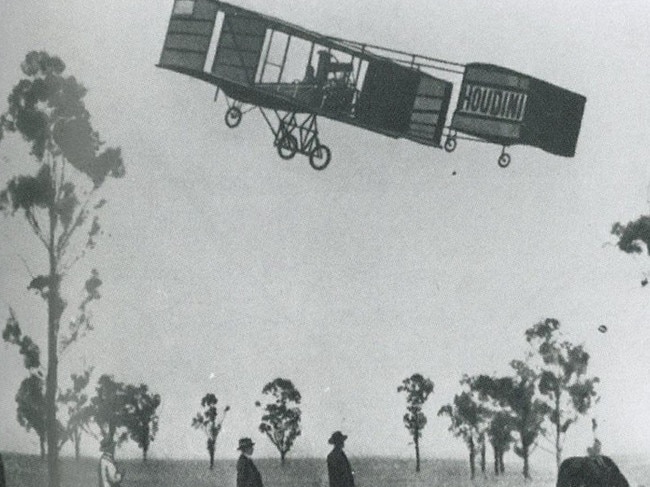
(293, 76)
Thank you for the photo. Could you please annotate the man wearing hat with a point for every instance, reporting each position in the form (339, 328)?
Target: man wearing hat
(109, 475)
(338, 466)
(247, 473)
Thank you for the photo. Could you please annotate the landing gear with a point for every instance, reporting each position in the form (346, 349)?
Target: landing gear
(450, 143)
(287, 146)
(320, 157)
(233, 117)
(235, 112)
(294, 136)
(504, 158)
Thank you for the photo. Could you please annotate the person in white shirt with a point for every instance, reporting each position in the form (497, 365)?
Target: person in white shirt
(109, 475)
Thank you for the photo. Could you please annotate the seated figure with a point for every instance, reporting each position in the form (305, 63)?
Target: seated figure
(310, 76)
(594, 470)
(327, 67)
(333, 78)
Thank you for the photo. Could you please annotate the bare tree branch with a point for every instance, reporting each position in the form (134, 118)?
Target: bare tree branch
(33, 222)
(61, 178)
(544, 449)
(67, 266)
(64, 238)
(273, 440)
(29, 271)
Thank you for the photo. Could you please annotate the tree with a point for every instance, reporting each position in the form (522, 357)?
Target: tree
(528, 410)
(466, 416)
(500, 435)
(31, 398)
(30, 351)
(31, 411)
(107, 410)
(417, 389)
(120, 411)
(563, 382)
(78, 408)
(281, 418)
(141, 417)
(48, 110)
(206, 421)
(491, 425)
(31, 408)
(496, 422)
(517, 395)
(632, 235)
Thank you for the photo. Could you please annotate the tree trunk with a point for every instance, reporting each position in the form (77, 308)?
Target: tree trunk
(496, 460)
(77, 445)
(41, 440)
(144, 453)
(483, 456)
(525, 456)
(282, 455)
(54, 311)
(417, 451)
(558, 446)
(502, 467)
(211, 443)
(472, 456)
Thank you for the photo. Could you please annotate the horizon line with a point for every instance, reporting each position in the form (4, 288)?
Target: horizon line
(287, 459)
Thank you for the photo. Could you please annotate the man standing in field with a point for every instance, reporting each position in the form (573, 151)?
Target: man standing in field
(338, 466)
(247, 473)
(2, 473)
(109, 475)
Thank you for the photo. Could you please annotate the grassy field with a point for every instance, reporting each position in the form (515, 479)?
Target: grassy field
(30, 471)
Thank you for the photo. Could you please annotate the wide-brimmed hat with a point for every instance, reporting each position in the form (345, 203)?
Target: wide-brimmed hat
(106, 444)
(245, 443)
(337, 438)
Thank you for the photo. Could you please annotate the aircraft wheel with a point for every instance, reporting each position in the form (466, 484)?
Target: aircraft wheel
(233, 117)
(450, 144)
(287, 146)
(504, 160)
(320, 157)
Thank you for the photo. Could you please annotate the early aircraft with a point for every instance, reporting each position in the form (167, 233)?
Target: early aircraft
(263, 62)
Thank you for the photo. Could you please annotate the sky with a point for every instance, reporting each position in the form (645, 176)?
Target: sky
(225, 267)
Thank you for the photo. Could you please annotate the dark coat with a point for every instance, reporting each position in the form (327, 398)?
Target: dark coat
(339, 470)
(247, 473)
(598, 471)
(2, 473)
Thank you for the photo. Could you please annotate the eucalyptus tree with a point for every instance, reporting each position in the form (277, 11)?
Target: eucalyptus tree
(141, 418)
(30, 398)
(281, 415)
(31, 408)
(634, 237)
(486, 427)
(207, 420)
(58, 199)
(77, 403)
(564, 383)
(518, 397)
(500, 436)
(466, 417)
(107, 410)
(417, 389)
